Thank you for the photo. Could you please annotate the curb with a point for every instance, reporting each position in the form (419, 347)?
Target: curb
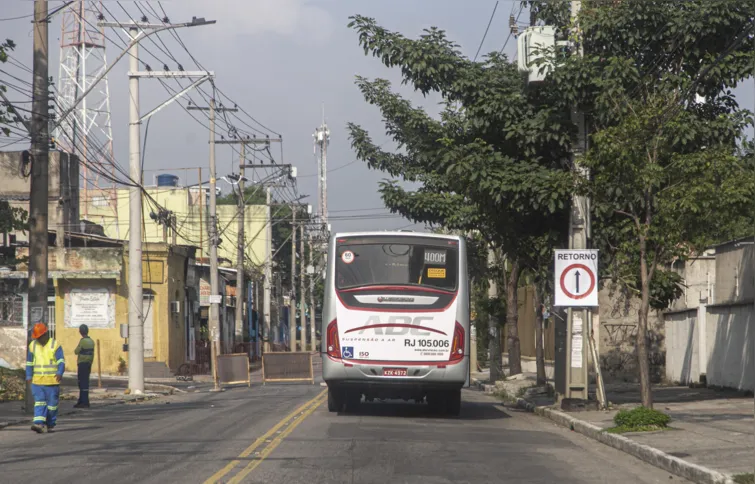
(25, 420)
(651, 455)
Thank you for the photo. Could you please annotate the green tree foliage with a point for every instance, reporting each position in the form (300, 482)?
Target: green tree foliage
(667, 176)
(492, 161)
(7, 113)
(12, 219)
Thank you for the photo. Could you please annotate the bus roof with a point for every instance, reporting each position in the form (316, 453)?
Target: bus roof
(399, 233)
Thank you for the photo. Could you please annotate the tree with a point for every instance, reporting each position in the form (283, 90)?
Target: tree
(666, 179)
(7, 113)
(492, 162)
(12, 219)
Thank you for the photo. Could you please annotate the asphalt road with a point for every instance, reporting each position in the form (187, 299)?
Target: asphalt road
(284, 434)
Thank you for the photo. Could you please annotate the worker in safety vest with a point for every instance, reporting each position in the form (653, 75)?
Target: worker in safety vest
(45, 365)
(85, 352)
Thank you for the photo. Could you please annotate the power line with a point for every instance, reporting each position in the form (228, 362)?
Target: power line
(484, 36)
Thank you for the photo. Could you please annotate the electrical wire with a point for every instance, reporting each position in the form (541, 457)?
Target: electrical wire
(485, 35)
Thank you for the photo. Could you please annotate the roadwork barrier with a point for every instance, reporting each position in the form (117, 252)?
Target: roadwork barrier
(287, 367)
(233, 369)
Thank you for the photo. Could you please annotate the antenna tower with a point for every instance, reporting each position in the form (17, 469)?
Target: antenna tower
(87, 130)
(322, 140)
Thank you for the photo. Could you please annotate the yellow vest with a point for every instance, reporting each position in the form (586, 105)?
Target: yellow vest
(85, 350)
(45, 364)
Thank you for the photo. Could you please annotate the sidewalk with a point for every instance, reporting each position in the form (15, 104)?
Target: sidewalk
(710, 440)
(12, 412)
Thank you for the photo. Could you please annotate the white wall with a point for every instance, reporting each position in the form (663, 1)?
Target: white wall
(728, 338)
(730, 346)
(682, 355)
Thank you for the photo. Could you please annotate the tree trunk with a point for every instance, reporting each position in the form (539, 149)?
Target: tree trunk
(494, 327)
(512, 319)
(539, 350)
(643, 359)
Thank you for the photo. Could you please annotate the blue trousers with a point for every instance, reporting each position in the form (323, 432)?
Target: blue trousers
(85, 369)
(45, 404)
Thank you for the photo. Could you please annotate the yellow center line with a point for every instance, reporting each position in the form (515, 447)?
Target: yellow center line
(315, 402)
(275, 443)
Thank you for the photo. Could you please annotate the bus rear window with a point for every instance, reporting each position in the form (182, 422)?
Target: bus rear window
(359, 265)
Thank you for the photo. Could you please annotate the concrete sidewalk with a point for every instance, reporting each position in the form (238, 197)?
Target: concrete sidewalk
(709, 429)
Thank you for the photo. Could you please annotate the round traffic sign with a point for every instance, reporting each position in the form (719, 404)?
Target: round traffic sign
(347, 257)
(572, 286)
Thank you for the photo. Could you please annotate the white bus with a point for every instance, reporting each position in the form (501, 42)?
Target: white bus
(395, 321)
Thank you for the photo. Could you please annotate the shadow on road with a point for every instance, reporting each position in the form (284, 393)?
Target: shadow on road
(393, 408)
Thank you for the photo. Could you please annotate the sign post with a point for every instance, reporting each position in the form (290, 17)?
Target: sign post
(576, 288)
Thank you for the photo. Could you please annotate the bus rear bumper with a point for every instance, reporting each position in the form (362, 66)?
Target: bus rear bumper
(369, 379)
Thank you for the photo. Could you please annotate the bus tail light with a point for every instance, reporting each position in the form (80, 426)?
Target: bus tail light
(334, 347)
(457, 347)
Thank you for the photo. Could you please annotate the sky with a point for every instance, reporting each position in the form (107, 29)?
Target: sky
(281, 61)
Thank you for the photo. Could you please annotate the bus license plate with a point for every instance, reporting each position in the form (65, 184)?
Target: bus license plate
(394, 372)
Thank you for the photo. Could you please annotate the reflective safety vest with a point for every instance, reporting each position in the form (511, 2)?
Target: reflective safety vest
(85, 350)
(44, 362)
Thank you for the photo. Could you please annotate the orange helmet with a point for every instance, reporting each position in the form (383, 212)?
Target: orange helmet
(38, 330)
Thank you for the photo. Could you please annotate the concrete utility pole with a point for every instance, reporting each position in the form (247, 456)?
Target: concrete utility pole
(292, 312)
(302, 291)
(268, 277)
(138, 31)
(312, 308)
(215, 297)
(496, 367)
(240, 289)
(579, 320)
(39, 189)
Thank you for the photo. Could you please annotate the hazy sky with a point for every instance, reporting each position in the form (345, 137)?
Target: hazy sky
(280, 60)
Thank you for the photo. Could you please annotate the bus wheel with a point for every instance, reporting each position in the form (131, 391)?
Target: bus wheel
(453, 403)
(335, 400)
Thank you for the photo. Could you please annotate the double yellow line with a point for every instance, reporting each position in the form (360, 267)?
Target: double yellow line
(290, 422)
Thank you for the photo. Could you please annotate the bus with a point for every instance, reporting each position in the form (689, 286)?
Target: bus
(395, 321)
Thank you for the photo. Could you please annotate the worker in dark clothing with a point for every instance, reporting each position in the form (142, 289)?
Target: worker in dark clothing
(85, 352)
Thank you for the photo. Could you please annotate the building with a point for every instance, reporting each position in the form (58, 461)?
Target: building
(88, 284)
(189, 207)
(63, 186)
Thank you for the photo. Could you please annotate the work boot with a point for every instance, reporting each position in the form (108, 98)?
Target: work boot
(50, 429)
(40, 429)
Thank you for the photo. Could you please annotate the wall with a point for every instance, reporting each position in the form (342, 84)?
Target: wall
(734, 272)
(699, 279)
(730, 336)
(682, 347)
(109, 339)
(12, 327)
(727, 360)
(617, 339)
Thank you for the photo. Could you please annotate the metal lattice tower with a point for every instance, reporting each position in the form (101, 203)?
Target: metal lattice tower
(322, 140)
(87, 131)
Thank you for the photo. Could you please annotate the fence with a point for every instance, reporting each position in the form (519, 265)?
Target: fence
(713, 344)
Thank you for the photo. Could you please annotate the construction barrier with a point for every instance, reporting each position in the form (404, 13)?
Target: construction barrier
(287, 366)
(233, 369)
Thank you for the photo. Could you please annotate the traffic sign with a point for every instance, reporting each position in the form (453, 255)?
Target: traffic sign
(576, 281)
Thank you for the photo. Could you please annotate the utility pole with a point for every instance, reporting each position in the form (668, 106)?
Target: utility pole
(496, 369)
(138, 31)
(240, 210)
(267, 283)
(312, 309)
(39, 189)
(579, 320)
(240, 292)
(302, 292)
(215, 297)
(292, 312)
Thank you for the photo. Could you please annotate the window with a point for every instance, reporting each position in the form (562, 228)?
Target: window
(11, 310)
(419, 264)
(99, 201)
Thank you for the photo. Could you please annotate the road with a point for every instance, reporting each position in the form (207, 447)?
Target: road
(284, 434)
